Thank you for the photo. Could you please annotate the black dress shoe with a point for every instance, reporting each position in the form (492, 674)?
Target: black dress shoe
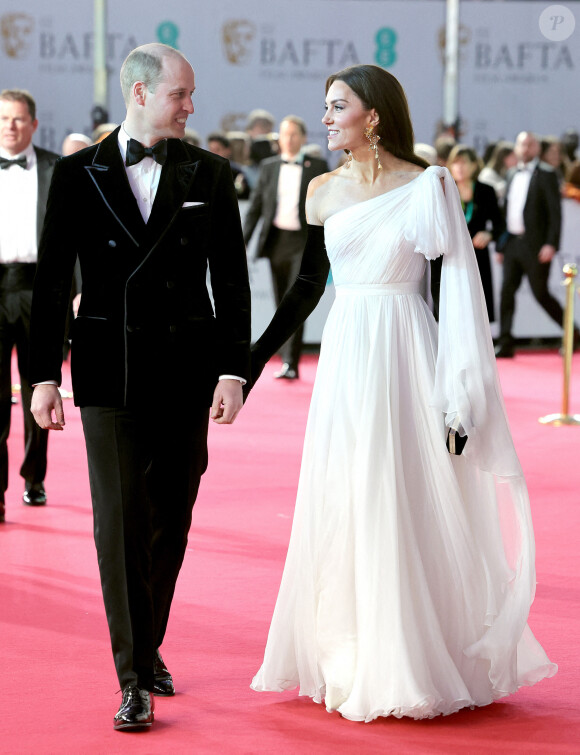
(34, 494)
(136, 711)
(287, 372)
(162, 679)
(505, 351)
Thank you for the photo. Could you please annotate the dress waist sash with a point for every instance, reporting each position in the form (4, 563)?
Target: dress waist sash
(378, 289)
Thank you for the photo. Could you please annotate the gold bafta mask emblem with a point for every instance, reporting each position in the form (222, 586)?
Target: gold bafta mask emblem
(464, 38)
(236, 39)
(15, 33)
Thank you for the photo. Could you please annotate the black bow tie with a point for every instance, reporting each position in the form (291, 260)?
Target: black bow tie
(5, 163)
(292, 162)
(136, 152)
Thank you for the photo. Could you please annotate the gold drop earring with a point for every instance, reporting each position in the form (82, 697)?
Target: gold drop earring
(373, 139)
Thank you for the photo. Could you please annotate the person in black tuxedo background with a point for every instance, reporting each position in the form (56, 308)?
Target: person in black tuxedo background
(25, 173)
(279, 198)
(533, 220)
(147, 214)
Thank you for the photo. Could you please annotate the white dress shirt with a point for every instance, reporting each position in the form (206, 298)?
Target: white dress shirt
(143, 177)
(18, 207)
(517, 195)
(144, 181)
(289, 180)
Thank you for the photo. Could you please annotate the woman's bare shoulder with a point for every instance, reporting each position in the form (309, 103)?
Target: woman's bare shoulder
(319, 190)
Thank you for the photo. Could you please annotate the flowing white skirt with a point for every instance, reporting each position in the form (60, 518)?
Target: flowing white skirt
(396, 566)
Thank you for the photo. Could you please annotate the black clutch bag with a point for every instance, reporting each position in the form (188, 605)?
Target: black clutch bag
(455, 442)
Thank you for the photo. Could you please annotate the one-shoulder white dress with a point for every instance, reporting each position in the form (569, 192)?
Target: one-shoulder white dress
(410, 572)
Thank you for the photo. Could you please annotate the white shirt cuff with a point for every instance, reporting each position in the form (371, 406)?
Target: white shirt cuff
(233, 377)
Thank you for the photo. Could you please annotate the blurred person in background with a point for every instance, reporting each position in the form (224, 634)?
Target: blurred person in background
(103, 130)
(443, 146)
(553, 155)
(427, 152)
(482, 215)
(570, 141)
(191, 137)
(263, 141)
(279, 199)
(74, 143)
(570, 241)
(25, 175)
(219, 144)
(494, 173)
(533, 219)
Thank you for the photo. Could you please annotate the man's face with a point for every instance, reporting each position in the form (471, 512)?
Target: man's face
(16, 126)
(527, 147)
(167, 108)
(291, 139)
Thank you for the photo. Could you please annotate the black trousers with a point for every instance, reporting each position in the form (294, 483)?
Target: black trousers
(519, 260)
(145, 466)
(287, 249)
(16, 281)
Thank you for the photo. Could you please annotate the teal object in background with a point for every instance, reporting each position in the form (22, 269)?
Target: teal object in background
(385, 52)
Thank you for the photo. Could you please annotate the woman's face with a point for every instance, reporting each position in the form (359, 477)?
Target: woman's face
(510, 160)
(462, 169)
(346, 118)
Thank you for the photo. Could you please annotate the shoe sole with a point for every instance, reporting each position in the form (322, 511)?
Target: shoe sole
(124, 726)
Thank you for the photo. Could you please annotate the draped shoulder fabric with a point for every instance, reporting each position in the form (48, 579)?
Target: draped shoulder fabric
(410, 573)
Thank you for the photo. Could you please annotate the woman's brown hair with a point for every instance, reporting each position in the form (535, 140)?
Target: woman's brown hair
(379, 89)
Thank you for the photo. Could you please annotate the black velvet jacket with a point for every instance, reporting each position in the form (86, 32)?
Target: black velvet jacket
(146, 320)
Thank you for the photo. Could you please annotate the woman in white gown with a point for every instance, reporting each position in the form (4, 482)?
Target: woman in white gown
(410, 571)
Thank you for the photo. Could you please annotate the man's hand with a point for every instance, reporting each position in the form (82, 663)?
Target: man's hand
(227, 402)
(546, 253)
(46, 400)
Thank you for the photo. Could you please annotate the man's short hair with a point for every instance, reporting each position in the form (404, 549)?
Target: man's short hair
(20, 95)
(298, 121)
(219, 136)
(145, 64)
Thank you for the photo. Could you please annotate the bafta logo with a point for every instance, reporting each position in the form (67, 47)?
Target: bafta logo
(236, 38)
(464, 38)
(15, 33)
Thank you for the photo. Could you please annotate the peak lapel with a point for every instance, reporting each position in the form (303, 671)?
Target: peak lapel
(108, 174)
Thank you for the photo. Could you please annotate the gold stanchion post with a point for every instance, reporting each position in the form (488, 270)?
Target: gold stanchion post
(570, 271)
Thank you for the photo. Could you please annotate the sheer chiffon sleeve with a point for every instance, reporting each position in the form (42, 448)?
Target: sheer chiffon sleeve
(467, 387)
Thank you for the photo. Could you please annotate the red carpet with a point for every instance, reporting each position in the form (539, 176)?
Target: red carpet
(58, 691)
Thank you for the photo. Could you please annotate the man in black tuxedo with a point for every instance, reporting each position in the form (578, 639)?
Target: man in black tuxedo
(147, 214)
(25, 173)
(533, 220)
(279, 198)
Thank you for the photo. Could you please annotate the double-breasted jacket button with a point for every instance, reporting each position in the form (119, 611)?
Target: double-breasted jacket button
(173, 328)
(184, 240)
(112, 243)
(170, 284)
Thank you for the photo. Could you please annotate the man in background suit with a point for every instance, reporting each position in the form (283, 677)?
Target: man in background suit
(147, 214)
(25, 173)
(279, 198)
(533, 234)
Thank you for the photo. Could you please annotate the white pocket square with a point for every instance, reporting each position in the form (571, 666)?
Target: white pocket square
(192, 204)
